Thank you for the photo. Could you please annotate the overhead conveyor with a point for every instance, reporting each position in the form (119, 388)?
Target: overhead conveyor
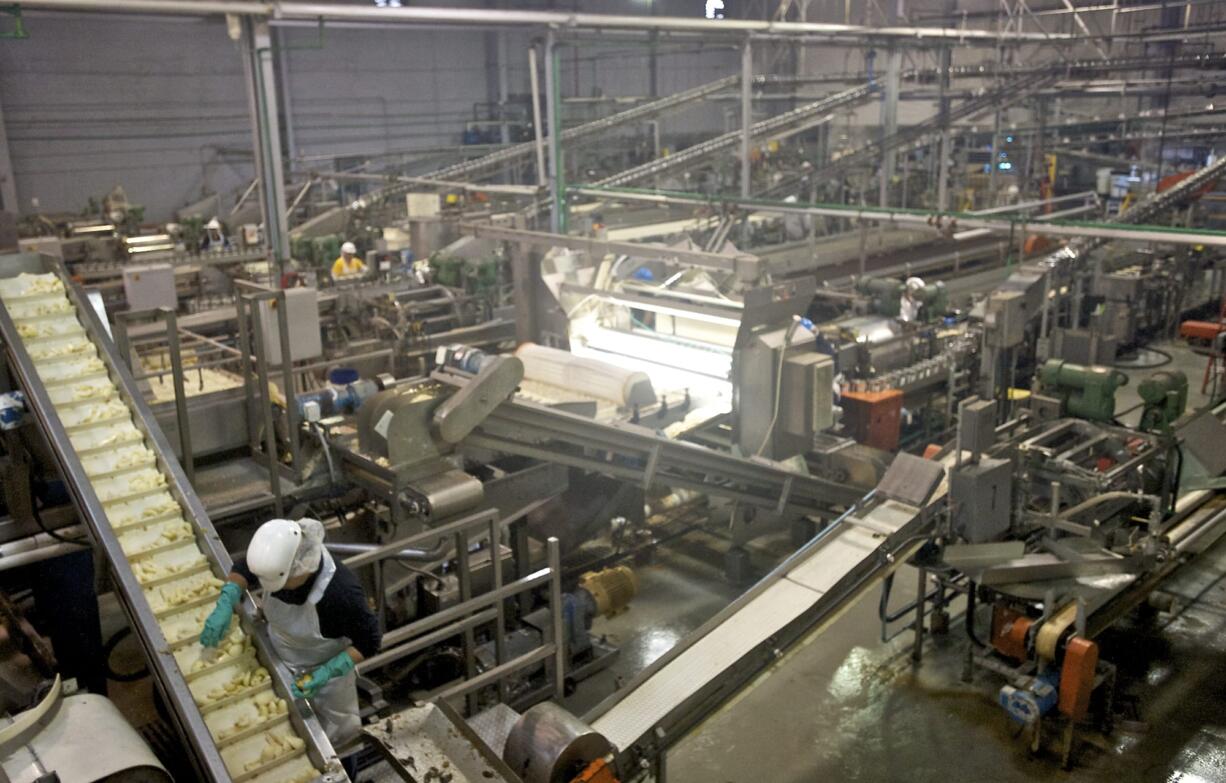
(788, 121)
(230, 704)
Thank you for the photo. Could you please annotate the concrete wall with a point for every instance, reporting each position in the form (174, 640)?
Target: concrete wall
(159, 105)
(155, 105)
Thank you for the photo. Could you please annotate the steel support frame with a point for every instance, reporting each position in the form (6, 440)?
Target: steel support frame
(259, 69)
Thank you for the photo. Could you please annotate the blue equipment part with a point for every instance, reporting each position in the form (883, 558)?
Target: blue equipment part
(12, 410)
(1031, 702)
(342, 376)
(335, 400)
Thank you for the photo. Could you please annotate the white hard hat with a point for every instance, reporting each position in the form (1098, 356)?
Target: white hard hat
(349, 248)
(270, 555)
(214, 223)
(915, 283)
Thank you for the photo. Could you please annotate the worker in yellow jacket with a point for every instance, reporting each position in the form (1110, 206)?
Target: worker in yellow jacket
(348, 264)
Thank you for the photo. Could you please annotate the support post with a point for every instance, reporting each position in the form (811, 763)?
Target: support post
(258, 67)
(889, 106)
(542, 175)
(554, 550)
(8, 180)
(553, 108)
(286, 93)
(525, 275)
(946, 60)
(746, 114)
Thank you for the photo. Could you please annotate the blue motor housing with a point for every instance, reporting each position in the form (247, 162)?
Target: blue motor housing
(334, 400)
(1031, 702)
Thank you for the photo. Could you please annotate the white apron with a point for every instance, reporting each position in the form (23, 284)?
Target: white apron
(295, 635)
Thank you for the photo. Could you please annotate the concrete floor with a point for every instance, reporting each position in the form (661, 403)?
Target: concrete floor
(848, 708)
(677, 593)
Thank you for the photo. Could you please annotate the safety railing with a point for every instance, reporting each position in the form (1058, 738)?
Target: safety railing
(472, 611)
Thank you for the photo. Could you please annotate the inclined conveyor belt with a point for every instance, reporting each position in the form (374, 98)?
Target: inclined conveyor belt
(230, 703)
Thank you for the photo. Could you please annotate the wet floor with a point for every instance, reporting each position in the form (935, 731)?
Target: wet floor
(849, 708)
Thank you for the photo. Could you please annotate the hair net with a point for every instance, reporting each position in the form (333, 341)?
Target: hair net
(311, 550)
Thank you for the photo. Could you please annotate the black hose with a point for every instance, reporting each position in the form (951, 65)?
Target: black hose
(109, 648)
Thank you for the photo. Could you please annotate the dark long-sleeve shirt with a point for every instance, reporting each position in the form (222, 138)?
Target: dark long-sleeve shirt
(343, 611)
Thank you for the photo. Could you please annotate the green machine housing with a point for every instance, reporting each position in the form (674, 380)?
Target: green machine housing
(1087, 392)
(1165, 396)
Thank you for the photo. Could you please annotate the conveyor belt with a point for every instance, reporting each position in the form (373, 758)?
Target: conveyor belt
(798, 600)
(150, 525)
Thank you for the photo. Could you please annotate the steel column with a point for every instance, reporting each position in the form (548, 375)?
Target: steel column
(8, 179)
(258, 67)
(538, 129)
(889, 106)
(746, 115)
(553, 91)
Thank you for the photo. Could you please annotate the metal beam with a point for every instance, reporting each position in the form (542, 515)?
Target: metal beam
(560, 20)
(745, 266)
(948, 221)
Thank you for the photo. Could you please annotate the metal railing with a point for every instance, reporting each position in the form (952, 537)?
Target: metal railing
(173, 348)
(473, 611)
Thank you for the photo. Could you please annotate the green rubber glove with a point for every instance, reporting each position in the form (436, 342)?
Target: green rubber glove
(337, 666)
(218, 622)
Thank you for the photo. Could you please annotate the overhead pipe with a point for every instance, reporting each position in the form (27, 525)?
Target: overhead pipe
(1126, 228)
(408, 555)
(555, 19)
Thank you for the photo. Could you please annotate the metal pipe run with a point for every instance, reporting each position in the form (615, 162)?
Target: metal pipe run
(408, 554)
(951, 221)
(571, 22)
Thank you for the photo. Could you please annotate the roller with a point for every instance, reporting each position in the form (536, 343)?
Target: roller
(549, 745)
(589, 376)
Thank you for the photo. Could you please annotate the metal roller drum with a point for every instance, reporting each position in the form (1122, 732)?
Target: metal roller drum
(549, 745)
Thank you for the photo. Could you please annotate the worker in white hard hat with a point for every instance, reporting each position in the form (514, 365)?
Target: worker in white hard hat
(318, 618)
(214, 236)
(909, 304)
(348, 264)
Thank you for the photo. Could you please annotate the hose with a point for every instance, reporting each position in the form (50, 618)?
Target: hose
(109, 648)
